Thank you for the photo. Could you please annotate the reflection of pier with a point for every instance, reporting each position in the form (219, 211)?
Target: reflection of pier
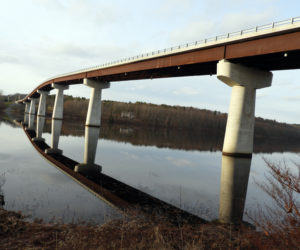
(233, 190)
(55, 134)
(26, 119)
(90, 147)
(31, 119)
(2, 181)
(39, 128)
(110, 190)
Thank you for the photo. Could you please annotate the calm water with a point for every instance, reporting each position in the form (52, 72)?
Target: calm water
(187, 179)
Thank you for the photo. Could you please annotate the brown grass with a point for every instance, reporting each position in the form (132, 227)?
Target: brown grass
(135, 233)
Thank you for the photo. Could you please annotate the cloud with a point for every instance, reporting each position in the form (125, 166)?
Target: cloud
(291, 99)
(232, 22)
(169, 6)
(186, 91)
(193, 31)
(261, 95)
(87, 11)
(179, 162)
(200, 27)
(129, 155)
(50, 4)
(8, 59)
(140, 86)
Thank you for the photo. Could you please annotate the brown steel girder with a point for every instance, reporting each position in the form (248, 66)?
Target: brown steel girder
(279, 52)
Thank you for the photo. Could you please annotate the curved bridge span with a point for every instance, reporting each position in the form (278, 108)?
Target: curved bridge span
(243, 60)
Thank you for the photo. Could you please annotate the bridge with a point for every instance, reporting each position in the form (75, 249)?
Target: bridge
(243, 60)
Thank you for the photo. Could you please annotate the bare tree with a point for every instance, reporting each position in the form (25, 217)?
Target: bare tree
(281, 221)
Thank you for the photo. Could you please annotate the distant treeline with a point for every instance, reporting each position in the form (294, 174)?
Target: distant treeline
(175, 124)
(146, 114)
(189, 119)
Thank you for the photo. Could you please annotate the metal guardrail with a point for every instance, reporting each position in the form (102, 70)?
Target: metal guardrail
(191, 45)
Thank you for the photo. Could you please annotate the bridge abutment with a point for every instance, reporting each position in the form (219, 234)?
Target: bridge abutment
(93, 118)
(59, 101)
(244, 81)
(42, 103)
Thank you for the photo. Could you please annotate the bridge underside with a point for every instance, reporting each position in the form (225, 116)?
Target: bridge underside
(271, 62)
(277, 52)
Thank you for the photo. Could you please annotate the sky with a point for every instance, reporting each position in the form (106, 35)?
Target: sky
(42, 38)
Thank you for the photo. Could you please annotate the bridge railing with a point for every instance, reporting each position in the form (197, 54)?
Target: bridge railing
(190, 45)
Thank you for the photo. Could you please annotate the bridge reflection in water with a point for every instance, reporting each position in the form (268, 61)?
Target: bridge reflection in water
(233, 188)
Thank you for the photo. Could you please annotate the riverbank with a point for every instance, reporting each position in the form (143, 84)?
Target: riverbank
(133, 233)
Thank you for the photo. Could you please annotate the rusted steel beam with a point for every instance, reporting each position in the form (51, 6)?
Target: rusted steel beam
(78, 76)
(263, 46)
(192, 57)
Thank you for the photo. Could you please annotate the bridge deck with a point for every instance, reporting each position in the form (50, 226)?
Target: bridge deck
(269, 47)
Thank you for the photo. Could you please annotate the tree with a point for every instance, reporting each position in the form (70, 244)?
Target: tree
(281, 221)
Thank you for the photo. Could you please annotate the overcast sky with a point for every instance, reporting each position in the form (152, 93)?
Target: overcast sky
(42, 38)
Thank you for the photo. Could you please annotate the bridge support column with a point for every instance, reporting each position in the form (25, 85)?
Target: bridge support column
(244, 81)
(27, 107)
(233, 188)
(88, 167)
(93, 117)
(32, 106)
(42, 103)
(55, 134)
(59, 101)
(39, 129)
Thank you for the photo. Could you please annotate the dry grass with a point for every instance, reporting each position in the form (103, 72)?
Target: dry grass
(15, 233)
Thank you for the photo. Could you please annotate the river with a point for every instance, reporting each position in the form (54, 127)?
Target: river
(185, 178)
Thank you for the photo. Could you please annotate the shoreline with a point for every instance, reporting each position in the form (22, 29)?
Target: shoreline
(132, 233)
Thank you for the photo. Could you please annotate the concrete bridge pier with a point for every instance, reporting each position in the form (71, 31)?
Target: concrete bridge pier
(32, 106)
(93, 118)
(244, 81)
(55, 134)
(233, 188)
(42, 103)
(59, 101)
(88, 167)
(39, 129)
